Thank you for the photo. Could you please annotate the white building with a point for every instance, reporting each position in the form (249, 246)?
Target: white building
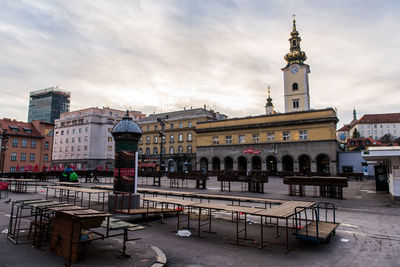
(82, 138)
(378, 125)
(374, 126)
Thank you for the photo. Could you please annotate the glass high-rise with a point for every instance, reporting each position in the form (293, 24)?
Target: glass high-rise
(47, 104)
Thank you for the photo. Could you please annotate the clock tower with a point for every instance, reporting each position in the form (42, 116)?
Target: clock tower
(295, 76)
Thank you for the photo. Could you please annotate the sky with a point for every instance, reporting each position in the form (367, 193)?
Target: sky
(166, 55)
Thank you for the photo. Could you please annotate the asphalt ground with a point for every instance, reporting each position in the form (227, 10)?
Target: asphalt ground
(369, 235)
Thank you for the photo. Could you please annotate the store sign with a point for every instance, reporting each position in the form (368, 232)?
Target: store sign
(251, 151)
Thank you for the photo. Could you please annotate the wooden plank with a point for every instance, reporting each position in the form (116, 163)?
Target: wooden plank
(285, 210)
(170, 201)
(324, 229)
(144, 211)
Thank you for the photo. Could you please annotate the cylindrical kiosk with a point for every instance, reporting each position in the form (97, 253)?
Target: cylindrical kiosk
(127, 134)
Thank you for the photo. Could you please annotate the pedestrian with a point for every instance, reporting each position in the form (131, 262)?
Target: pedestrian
(95, 180)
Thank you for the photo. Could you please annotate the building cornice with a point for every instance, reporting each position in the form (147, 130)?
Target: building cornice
(268, 125)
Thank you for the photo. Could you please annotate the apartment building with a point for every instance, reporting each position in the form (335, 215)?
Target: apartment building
(29, 145)
(83, 139)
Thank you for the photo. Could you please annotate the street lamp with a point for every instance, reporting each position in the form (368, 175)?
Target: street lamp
(162, 135)
(3, 148)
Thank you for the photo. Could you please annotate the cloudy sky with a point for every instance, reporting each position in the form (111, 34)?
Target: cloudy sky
(161, 55)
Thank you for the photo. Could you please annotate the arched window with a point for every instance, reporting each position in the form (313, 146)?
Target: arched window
(163, 150)
(140, 151)
(294, 43)
(147, 151)
(189, 149)
(180, 149)
(155, 151)
(171, 150)
(295, 86)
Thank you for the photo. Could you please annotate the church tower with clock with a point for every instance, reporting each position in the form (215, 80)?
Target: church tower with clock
(295, 76)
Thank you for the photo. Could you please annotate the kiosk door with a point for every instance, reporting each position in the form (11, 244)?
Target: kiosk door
(381, 178)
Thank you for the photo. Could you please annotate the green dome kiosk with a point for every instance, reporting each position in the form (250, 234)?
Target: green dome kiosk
(127, 134)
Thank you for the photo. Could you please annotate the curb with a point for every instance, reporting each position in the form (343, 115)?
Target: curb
(161, 258)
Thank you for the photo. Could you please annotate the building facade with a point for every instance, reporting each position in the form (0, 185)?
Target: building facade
(29, 145)
(83, 138)
(47, 104)
(298, 141)
(172, 134)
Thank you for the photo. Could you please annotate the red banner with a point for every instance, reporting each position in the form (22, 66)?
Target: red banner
(128, 172)
(251, 151)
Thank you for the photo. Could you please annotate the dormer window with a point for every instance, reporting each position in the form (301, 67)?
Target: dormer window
(27, 130)
(295, 86)
(14, 129)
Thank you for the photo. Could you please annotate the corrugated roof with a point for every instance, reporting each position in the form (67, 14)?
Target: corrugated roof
(380, 118)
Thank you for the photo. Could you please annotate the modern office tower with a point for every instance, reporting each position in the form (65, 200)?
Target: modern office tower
(47, 104)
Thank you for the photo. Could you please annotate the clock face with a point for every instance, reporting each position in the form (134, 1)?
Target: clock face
(294, 68)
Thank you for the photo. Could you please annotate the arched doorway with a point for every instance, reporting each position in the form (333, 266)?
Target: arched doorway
(171, 166)
(203, 165)
(323, 163)
(179, 166)
(216, 164)
(162, 166)
(271, 165)
(256, 163)
(242, 163)
(305, 164)
(188, 165)
(228, 163)
(287, 163)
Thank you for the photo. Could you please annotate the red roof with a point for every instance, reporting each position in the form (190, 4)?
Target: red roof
(26, 129)
(380, 118)
(345, 128)
(362, 140)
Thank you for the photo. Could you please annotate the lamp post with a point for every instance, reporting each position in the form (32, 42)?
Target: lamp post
(162, 135)
(3, 148)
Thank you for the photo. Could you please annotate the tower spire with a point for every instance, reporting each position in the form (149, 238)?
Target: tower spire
(295, 56)
(294, 23)
(269, 107)
(354, 114)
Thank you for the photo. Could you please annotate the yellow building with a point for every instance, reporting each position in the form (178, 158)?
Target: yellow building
(298, 141)
(173, 133)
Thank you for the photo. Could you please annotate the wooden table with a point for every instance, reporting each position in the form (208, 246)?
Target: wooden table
(67, 183)
(21, 185)
(64, 192)
(328, 186)
(283, 211)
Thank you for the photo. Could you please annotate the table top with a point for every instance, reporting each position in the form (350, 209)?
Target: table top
(78, 189)
(19, 180)
(283, 211)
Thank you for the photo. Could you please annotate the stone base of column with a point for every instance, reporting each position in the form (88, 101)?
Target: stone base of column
(123, 202)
